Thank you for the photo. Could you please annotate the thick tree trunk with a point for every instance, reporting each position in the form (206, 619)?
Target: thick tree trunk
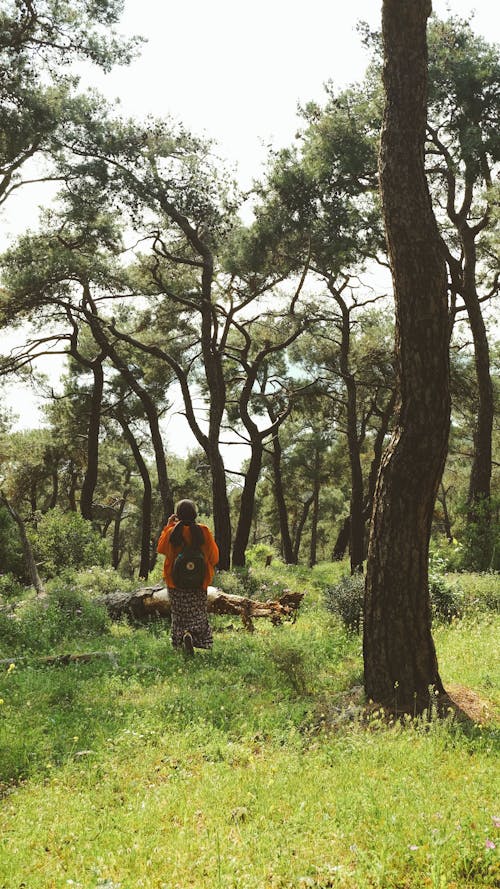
(90, 480)
(399, 654)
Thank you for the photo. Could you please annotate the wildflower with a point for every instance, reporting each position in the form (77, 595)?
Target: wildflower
(490, 844)
(12, 667)
(496, 820)
(2, 701)
(413, 848)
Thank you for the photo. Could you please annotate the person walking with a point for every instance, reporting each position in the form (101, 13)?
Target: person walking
(191, 555)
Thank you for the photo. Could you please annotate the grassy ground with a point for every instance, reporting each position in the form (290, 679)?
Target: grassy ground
(248, 767)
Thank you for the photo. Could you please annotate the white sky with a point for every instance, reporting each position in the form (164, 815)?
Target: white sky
(235, 71)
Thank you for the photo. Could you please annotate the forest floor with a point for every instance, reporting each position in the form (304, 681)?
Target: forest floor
(257, 765)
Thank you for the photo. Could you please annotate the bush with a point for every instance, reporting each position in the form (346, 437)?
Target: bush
(258, 553)
(254, 583)
(346, 600)
(11, 587)
(99, 581)
(66, 615)
(66, 540)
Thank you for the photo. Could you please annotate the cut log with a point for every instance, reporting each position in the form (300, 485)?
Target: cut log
(151, 602)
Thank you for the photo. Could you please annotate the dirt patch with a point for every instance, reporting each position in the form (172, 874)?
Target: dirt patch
(469, 704)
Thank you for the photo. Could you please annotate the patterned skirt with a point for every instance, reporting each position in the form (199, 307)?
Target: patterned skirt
(189, 614)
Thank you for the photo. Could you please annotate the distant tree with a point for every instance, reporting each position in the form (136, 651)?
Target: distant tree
(399, 655)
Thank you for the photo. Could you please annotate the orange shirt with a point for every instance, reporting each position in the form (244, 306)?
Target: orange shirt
(209, 549)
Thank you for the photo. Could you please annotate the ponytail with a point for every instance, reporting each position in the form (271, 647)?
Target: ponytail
(197, 538)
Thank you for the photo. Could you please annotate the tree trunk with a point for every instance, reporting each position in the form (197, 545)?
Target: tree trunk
(480, 477)
(342, 541)
(315, 513)
(446, 515)
(289, 555)
(399, 654)
(244, 526)
(146, 498)
(29, 558)
(357, 522)
(300, 527)
(73, 485)
(90, 480)
(115, 552)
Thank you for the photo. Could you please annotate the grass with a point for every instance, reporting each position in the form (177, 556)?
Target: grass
(243, 768)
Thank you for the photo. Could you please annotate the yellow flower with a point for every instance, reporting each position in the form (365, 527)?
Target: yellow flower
(11, 668)
(2, 701)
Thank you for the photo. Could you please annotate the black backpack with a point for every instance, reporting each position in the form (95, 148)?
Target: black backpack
(188, 570)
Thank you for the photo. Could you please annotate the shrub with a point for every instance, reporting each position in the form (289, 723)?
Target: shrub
(66, 540)
(253, 583)
(11, 587)
(291, 664)
(66, 615)
(346, 600)
(258, 553)
(99, 581)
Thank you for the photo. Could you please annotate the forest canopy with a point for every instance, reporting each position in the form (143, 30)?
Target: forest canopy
(275, 331)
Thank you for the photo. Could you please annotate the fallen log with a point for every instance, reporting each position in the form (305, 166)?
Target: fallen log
(151, 602)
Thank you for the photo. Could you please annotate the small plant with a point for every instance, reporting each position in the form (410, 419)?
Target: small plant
(346, 600)
(291, 664)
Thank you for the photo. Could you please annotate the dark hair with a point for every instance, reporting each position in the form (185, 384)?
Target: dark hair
(185, 511)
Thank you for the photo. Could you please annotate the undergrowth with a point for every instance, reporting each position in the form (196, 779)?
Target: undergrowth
(253, 766)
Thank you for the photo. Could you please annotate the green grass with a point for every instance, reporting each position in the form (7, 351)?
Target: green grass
(243, 768)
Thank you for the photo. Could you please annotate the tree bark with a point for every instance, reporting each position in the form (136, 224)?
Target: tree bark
(480, 477)
(399, 655)
(300, 527)
(289, 555)
(29, 558)
(313, 550)
(146, 497)
(90, 480)
(244, 525)
(342, 541)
